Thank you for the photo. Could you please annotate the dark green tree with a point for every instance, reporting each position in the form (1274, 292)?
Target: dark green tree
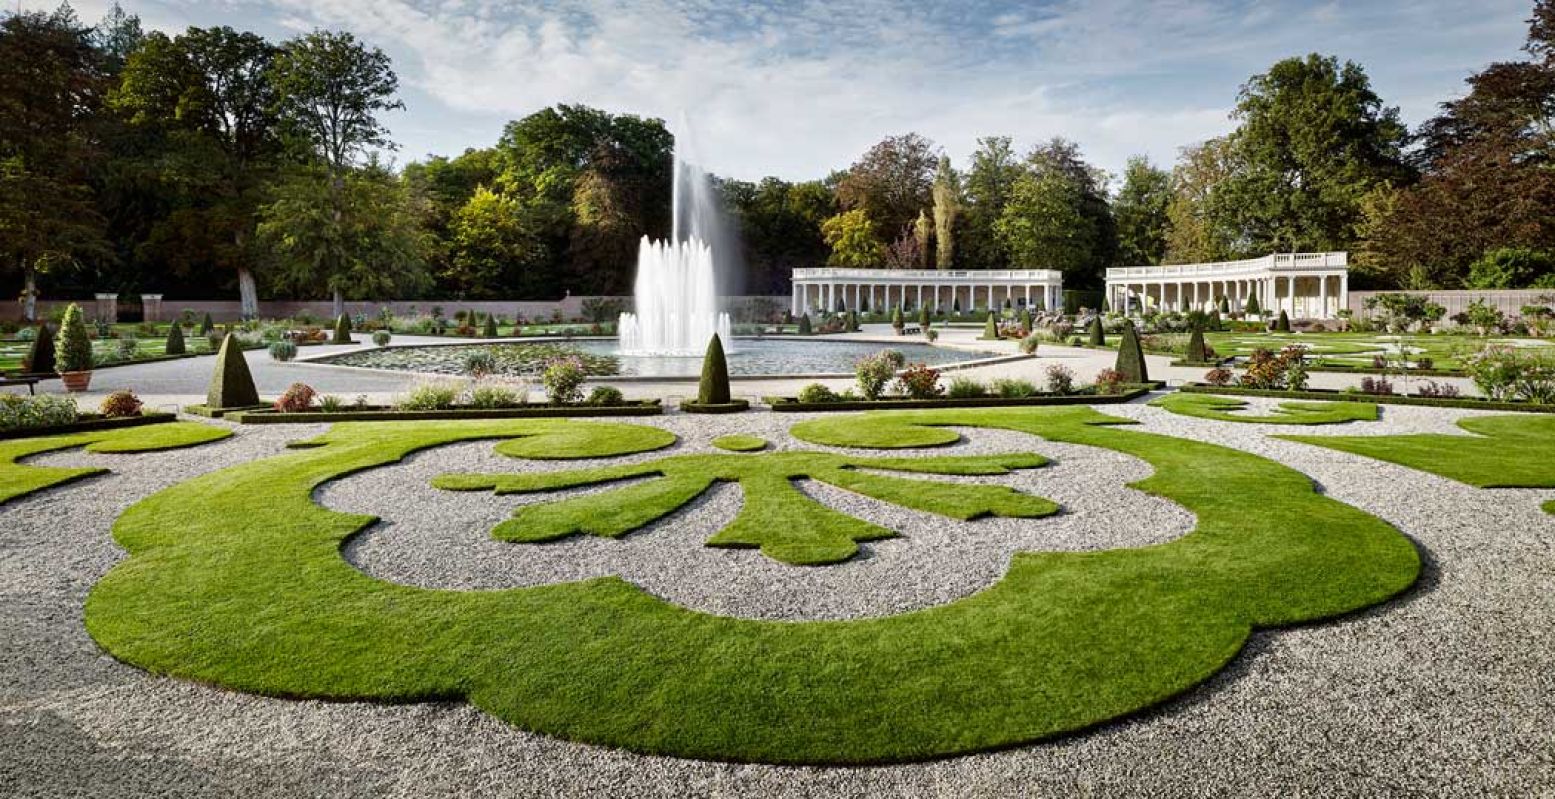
(175, 340)
(1095, 335)
(40, 354)
(1140, 210)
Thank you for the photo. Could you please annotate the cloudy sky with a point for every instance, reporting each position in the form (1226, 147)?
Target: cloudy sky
(798, 88)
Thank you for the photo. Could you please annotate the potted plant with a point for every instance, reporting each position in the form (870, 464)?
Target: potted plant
(73, 353)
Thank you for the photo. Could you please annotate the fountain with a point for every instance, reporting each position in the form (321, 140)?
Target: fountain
(675, 309)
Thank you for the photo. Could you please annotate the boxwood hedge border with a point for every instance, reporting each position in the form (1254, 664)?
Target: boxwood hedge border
(1384, 399)
(793, 405)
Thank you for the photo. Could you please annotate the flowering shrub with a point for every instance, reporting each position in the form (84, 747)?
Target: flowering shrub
(874, 372)
(1438, 390)
(1376, 385)
(1109, 381)
(120, 403)
(283, 351)
(1270, 370)
(45, 410)
(433, 395)
(919, 382)
(1060, 379)
(298, 398)
(1512, 373)
(1218, 377)
(563, 379)
(815, 392)
(496, 395)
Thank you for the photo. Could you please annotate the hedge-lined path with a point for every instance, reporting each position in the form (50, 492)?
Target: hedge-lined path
(1443, 692)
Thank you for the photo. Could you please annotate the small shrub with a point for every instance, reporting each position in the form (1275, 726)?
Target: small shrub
(875, 372)
(73, 351)
(494, 395)
(381, 338)
(1060, 379)
(1029, 344)
(606, 396)
(563, 379)
(1424, 362)
(175, 341)
(1376, 385)
(342, 330)
(120, 404)
(931, 335)
(1437, 390)
(713, 385)
(991, 328)
(297, 398)
(330, 403)
(1110, 381)
(816, 393)
(965, 388)
(804, 325)
(432, 395)
(919, 381)
(1218, 377)
(283, 351)
(479, 363)
(1011, 388)
(214, 339)
(19, 412)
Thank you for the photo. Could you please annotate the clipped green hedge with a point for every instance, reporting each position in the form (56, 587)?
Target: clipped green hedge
(732, 406)
(89, 422)
(1385, 399)
(268, 415)
(793, 405)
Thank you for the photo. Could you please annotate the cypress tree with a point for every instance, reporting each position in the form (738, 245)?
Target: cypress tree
(990, 328)
(804, 325)
(232, 385)
(206, 325)
(1224, 306)
(853, 322)
(1026, 322)
(342, 331)
(175, 340)
(1251, 308)
(1095, 335)
(1131, 357)
(924, 320)
(1283, 325)
(40, 356)
(714, 386)
(896, 319)
(1214, 319)
(491, 326)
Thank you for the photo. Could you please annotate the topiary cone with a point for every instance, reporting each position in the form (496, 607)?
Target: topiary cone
(40, 356)
(175, 340)
(924, 320)
(714, 387)
(206, 325)
(1284, 324)
(232, 385)
(1131, 357)
(1095, 335)
(1195, 353)
(804, 325)
(491, 326)
(342, 331)
(990, 328)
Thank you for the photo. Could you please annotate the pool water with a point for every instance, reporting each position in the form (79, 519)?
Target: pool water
(778, 356)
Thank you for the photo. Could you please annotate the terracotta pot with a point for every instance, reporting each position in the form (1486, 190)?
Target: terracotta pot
(76, 381)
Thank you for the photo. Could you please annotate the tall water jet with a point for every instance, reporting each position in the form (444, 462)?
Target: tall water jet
(675, 308)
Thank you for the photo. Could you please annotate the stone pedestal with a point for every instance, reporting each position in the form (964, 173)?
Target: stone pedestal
(151, 307)
(107, 308)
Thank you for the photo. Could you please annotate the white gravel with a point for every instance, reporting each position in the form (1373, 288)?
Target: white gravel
(1444, 692)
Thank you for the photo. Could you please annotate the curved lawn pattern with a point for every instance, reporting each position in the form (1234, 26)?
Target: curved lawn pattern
(1209, 406)
(1507, 452)
(787, 525)
(236, 579)
(18, 480)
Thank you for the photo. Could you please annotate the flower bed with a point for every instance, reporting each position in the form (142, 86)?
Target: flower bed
(1357, 396)
(381, 413)
(1083, 397)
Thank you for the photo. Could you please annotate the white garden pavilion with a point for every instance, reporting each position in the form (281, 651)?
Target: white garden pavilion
(879, 289)
(1304, 285)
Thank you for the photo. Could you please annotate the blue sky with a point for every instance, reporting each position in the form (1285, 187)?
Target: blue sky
(801, 87)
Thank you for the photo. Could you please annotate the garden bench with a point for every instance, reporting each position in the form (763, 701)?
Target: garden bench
(29, 382)
(911, 331)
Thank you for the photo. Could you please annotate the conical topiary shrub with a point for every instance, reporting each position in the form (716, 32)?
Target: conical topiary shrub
(40, 356)
(175, 340)
(1095, 335)
(897, 321)
(73, 351)
(804, 325)
(490, 330)
(1283, 325)
(1026, 322)
(1224, 306)
(714, 386)
(342, 331)
(924, 319)
(1251, 308)
(206, 325)
(990, 328)
(1195, 352)
(232, 385)
(1131, 357)
(853, 322)
(1214, 321)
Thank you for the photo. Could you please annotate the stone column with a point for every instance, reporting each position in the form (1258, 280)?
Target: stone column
(1322, 298)
(107, 308)
(151, 307)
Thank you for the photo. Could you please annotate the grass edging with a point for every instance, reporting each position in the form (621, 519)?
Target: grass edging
(88, 423)
(219, 413)
(732, 406)
(793, 405)
(269, 415)
(1385, 399)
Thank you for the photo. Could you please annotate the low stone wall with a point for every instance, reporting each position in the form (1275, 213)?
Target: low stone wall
(1508, 301)
(157, 309)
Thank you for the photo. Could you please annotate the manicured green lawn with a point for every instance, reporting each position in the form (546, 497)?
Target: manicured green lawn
(12, 352)
(1516, 451)
(236, 579)
(776, 516)
(1358, 349)
(18, 479)
(740, 442)
(1209, 406)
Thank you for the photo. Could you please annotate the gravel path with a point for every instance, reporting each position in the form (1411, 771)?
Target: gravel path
(1444, 692)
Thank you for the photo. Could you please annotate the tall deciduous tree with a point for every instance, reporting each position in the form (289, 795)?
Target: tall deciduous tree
(989, 184)
(1057, 216)
(1140, 210)
(51, 84)
(208, 91)
(1197, 232)
(891, 182)
(947, 213)
(490, 250)
(853, 241)
(1313, 140)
